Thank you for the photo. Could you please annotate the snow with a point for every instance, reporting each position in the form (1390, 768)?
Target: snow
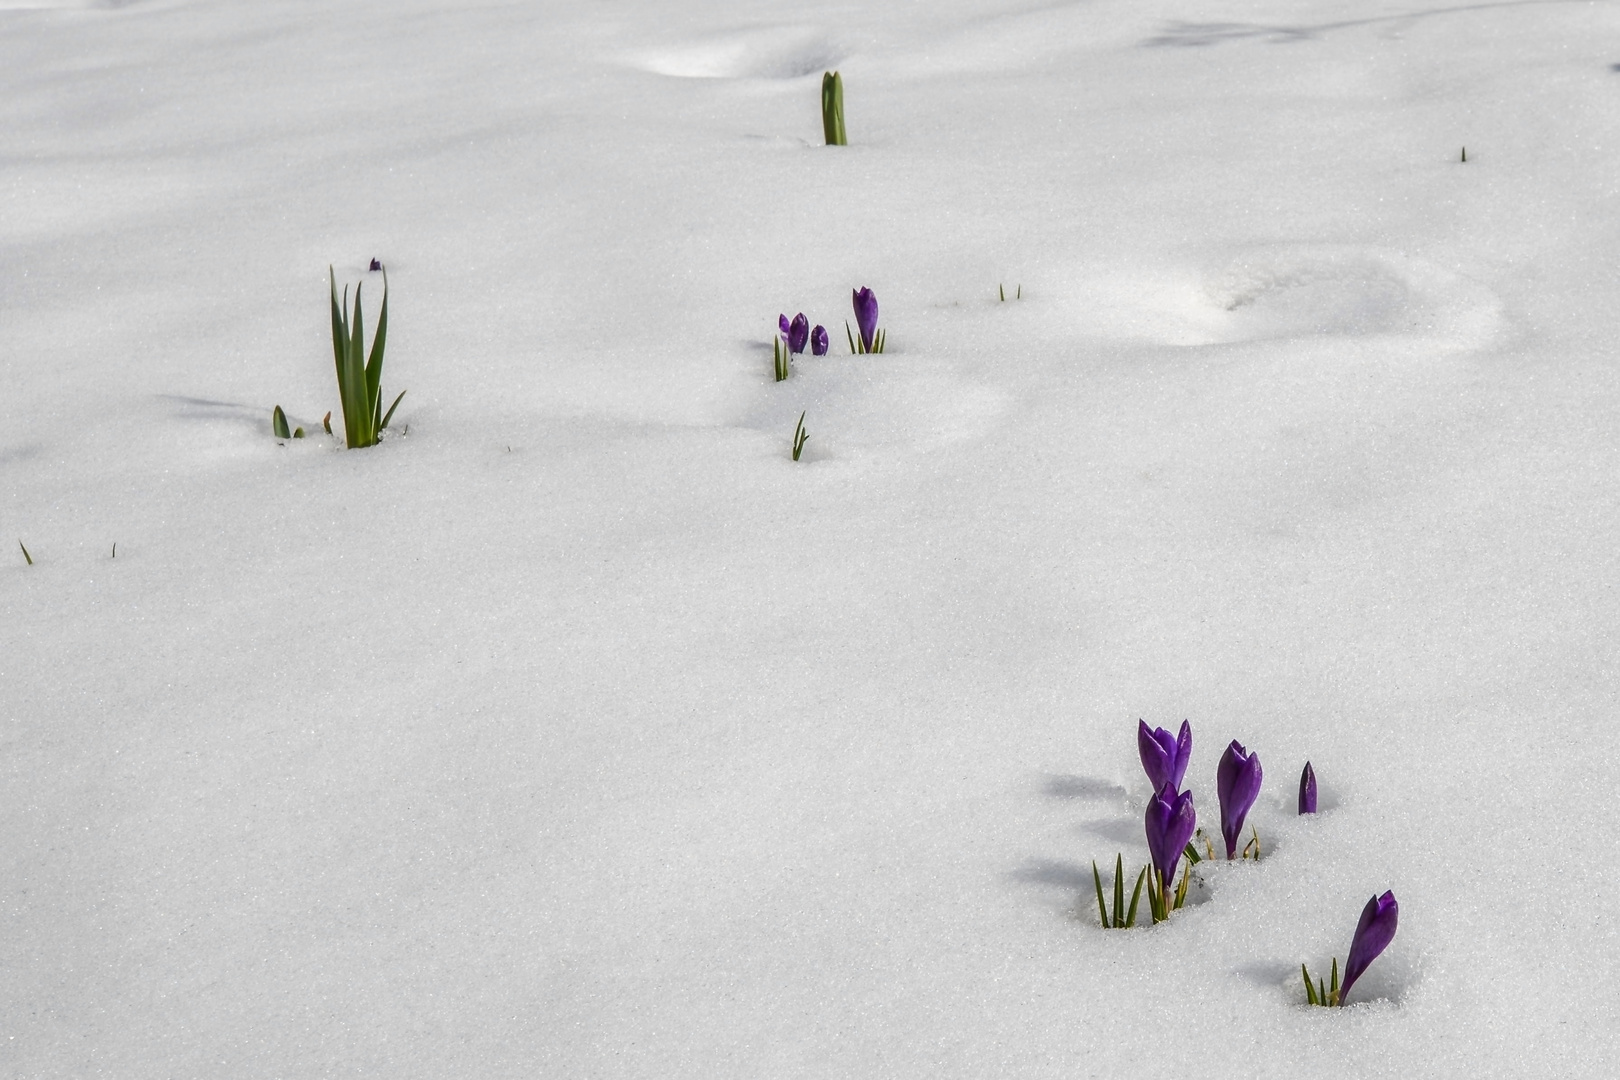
(577, 731)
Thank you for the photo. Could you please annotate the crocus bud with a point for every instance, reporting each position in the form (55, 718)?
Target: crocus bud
(1164, 756)
(1237, 783)
(1374, 932)
(818, 341)
(798, 333)
(866, 316)
(782, 321)
(375, 265)
(1307, 790)
(1170, 822)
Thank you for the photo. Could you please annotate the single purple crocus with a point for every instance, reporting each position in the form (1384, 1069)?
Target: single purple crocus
(818, 341)
(1307, 790)
(798, 333)
(375, 265)
(782, 321)
(1164, 756)
(1170, 822)
(1374, 931)
(866, 316)
(1237, 782)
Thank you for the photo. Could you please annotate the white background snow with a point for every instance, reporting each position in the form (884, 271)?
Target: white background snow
(576, 731)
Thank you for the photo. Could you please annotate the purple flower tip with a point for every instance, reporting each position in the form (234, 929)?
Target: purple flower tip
(866, 315)
(782, 321)
(798, 333)
(818, 341)
(1237, 783)
(1307, 790)
(1170, 822)
(1374, 931)
(375, 265)
(1164, 756)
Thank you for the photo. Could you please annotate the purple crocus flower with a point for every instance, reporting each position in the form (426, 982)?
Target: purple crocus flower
(1237, 783)
(1374, 932)
(375, 265)
(1307, 790)
(866, 315)
(798, 333)
(782, 321)
(818, 341)
(1170, 822)
(1164, 756)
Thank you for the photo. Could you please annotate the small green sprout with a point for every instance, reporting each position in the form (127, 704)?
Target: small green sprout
(360, 379)
(30, 558)
(1163, 900)
(1465, 155)
(1001, 291)
(858, 347)
(832, 109)
(1123, 919)
(779, 358)
(800, 437)
(1323, 993)
(278, 424)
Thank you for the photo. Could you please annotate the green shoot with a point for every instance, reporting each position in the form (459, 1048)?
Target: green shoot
(858, 346)
(27, 556)
(1251, 850)
(779, 358)
(800, 437)
(1001, 291)
(1323, 993)
(326, 421)
(115, 549)
(278, 424)
(1123, 918)
(1465, 155)
(360, 379)
(1162, 900)
(832, 109)
(298, 433)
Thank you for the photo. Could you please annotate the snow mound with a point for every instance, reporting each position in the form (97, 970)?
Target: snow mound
(766, 53)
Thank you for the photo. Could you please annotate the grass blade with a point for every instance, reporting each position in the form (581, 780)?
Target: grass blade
(1310, 991)
(1136, 894)
(375, 364)
(391, 409)
(1102, 908)
(30, 559)
(1119, 890)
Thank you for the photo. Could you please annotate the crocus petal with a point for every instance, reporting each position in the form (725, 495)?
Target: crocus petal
(1237, 783)
(782, 321)
(1374, 931)
(818, 341)
(375, 265)
(798, 333)
(1307, 790)
(1170, 822)
(1164, 756)
(866, 315)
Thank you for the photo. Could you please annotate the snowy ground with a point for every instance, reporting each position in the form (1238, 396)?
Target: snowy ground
(576, 731)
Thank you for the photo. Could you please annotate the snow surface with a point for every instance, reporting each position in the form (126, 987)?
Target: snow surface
(576, 731)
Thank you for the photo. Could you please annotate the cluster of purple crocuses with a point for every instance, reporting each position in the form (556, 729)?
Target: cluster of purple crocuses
(797, 332)
(1171, 822)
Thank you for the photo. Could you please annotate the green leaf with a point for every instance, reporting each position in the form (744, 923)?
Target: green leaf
(832, 109)
(1102, 907)
(278, 424)
(391, 409)
(1136, 894)
(1310, 991)
(1119, 890)
(851, 337)
(27, 556)
(1192, 854)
